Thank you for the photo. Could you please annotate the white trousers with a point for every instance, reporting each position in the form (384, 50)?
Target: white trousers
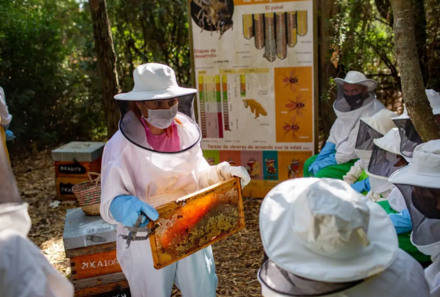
(194, 275)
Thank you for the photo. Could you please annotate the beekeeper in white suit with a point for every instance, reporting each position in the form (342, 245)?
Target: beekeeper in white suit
(370, 129)
(323, 238)
(155, 158)
(24, 270)
(420, 184)
(356, 99)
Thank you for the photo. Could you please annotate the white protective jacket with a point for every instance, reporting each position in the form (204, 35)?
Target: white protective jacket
(404, 278)
(157, 178)
(432, 274)
(344, 130)
(24, 270)
(5, 117)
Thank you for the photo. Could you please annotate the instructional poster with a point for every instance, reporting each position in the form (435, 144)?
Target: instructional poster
(253, 63)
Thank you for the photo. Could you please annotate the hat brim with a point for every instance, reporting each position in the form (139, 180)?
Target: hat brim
(287, 251)
(159, 94)
(369, 83)
(405, 176)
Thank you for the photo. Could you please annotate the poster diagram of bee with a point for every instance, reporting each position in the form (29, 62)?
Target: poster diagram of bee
(275, 32)
(253, 64)
(293, 104)
(213, 15)
(293, 163)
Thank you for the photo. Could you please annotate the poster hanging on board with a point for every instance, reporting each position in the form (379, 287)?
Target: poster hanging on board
(254, 71)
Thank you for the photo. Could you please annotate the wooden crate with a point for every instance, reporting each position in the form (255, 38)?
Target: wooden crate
(90, 244)
(93, 261)
(77, 169)
(64, 186)
(196, 221)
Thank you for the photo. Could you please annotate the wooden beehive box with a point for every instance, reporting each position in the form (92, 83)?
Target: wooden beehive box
(90, 243)
(73, 162)
(196, 221)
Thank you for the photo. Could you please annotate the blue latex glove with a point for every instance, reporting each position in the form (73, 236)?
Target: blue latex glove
(401, 221)
(327, 150)
(9, 135)
(318, 165)
(362, 185)
(126, 210)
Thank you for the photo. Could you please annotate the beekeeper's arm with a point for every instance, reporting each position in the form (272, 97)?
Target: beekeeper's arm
(213, 174)
(345, 151)
(355, 172)
(25, 271)
(8, 187)
(5, 117)
(326, 156)
(117, 204)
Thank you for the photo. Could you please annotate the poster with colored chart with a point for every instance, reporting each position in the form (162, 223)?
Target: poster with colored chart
(254, 71)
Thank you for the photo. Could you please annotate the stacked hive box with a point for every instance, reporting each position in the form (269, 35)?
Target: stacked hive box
(90, 243)
(73, 161)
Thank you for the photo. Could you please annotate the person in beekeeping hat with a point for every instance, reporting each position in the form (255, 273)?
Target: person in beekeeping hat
(419, 183)
(156, 158)
(410, 138)
(385, 160)
(24, 270)
(356, 99)
(322, 238)
(369, 129)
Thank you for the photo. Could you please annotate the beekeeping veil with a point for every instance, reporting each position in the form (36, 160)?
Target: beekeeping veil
(371, 128)
(410, 138)
(345, 104)
(158, 82)
(419, 184)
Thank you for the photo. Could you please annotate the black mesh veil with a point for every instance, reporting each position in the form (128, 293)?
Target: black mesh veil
(365, 137)
(409, 138)
(384, 163)
(133, 130)
(423, 206)
(289, 284)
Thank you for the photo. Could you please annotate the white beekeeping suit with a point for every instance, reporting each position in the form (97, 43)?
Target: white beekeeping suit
(345, 129)
(322, 238)
(131, 167)
(24, 270)
(369, 129)
(5, 117)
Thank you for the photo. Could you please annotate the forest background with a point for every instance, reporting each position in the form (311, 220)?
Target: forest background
(49, 69)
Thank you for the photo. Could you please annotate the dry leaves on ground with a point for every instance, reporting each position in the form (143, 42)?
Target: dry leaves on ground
(237, 258)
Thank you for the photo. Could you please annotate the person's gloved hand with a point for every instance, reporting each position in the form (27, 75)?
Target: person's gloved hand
(126, 209)
(318, 165)
(9, 135)
(401, 221)
(327, 150)
(226, 171)
(362, 185)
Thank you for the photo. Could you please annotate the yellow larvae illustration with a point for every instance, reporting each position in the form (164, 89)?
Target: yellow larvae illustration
(255, 106)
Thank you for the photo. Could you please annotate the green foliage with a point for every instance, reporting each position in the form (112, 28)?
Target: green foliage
(48, 63)
(47, 71)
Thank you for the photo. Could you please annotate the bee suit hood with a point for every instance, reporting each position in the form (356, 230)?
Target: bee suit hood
(344, 131)
(323, 238)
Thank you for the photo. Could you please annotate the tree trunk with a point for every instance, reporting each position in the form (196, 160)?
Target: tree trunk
(106, 62)
(326, 11)
(413, 88)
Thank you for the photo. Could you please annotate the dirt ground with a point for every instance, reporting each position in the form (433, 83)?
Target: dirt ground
(237, 258)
